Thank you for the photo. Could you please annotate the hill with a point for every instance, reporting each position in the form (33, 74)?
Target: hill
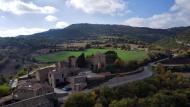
(81, 31)
(77, 31)
(182, 39)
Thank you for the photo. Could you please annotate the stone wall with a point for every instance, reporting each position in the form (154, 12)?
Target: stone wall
(42, 74)
(47, 100)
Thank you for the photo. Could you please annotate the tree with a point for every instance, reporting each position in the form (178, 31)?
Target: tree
(81, 61)
(98, 105)
(88, 46)
(119, 63)
(132, 64)
(80, 100)
(123, 47)
(106, 96)
(4, 90)
(2, 79)
(70, 61)
(128, 47)
(111, 56)
(124, 103)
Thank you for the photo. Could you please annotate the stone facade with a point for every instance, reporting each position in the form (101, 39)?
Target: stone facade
(63, 70)
(97, 61)
(78, 83)
(42, 74)
(56, 78)
(72, 62)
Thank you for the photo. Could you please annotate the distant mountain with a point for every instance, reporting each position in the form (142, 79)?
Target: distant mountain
(78, 31)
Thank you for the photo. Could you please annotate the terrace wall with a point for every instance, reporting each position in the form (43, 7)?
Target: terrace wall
(39, 101)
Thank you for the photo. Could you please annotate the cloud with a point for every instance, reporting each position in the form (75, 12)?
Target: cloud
(51, 18)
(178, 15)
(181, 5)
(19, 7)
(3, 17)
(20, 31)
(61, 24)
(111, 7)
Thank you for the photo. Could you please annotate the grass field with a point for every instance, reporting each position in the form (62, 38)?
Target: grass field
(124, 55)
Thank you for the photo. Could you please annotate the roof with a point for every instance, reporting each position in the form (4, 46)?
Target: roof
(32, 85)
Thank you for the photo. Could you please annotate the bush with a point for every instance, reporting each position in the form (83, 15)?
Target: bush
(4, 90)
(80, 100)
(22, 72)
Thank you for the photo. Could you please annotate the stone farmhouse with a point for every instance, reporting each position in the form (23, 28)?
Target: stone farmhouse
(67, 72)
(78, 82)
(37, 90)
(97, 62)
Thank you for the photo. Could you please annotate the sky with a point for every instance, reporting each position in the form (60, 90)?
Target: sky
(23, 17)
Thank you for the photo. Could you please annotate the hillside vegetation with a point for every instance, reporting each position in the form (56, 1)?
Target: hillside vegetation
(180, 40)
(85, 31)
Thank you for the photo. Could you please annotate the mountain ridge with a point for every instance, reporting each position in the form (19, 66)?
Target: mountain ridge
(83, 31)
(75, 31)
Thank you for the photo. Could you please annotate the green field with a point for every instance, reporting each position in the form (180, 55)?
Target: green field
(124, 55)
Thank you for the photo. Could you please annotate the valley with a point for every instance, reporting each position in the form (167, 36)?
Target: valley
(88, 57)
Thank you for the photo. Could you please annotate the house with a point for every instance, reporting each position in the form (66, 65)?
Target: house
(42, 74)
(30, 88)
(97, 61)
(78, 82)
(70, 63)
(58, 77)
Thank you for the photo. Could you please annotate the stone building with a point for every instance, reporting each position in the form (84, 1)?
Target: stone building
(97, 61)
(78, 83)
(58, 77)
(42, 74)
(28, 89)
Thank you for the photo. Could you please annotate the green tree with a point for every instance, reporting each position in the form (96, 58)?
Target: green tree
(4, 90)
(81, 61)
(119, 63)
(2, 79)
(88, 46)
(80, 100)
(111, 57)
(124, 103)
(106, 96)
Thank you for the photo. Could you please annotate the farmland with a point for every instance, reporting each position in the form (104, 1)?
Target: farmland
(60, 56)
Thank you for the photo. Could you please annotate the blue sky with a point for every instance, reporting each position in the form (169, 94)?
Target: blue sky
(30, 16)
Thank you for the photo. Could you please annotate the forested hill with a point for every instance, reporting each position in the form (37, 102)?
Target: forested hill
(76, 31)
(182, 39)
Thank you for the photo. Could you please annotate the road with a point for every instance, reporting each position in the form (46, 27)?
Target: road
(132, 77)
(118, 81)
